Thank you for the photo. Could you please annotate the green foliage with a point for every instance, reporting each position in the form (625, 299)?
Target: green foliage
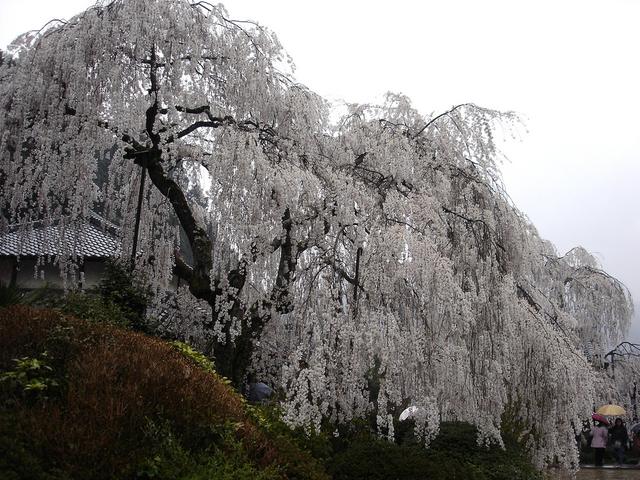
(19, 459)
(198, 358)
(224, 459)
(454, 454)
(121, 299)
(353, 451)
(88, 306)
(32, 378)
(269, 417)
(93, 308)
(290, 442)
(369, 457)
(128, 291)
(167, 457)
(44, 296)
(459, 440)
(9, 295)
(129, 406)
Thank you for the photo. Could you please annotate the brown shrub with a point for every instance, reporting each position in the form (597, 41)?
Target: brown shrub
(115, 382)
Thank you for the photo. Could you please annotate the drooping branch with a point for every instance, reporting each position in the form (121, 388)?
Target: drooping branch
(474, 221)
(437, 117)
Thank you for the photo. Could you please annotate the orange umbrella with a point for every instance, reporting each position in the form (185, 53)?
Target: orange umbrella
(611, 410)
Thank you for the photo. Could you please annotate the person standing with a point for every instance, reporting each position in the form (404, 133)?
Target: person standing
(599, 441)
(619, 437)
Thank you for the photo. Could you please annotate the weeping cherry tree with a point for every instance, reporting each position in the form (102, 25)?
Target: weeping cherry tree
(362, 265)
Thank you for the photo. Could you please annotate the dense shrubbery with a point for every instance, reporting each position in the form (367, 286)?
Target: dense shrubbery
(120, 299)
(128, 291)
(354, 452)
(358, 454)
(9, 295)
(126, 406)
(89, 400)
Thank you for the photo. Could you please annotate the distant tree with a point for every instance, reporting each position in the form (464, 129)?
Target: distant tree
(363, 266)
(618, 378)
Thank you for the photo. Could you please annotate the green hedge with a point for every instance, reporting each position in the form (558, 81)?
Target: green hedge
(454, 454)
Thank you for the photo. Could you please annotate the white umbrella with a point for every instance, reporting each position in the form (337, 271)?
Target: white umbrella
(409, 412)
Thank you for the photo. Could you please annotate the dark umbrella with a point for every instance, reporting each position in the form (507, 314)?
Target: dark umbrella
(259, 391)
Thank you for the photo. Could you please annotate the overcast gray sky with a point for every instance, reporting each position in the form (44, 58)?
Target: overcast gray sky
(571, 68)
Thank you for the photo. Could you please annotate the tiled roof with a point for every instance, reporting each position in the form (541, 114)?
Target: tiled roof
(88, 241)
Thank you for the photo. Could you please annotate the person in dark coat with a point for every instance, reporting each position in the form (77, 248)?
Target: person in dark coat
(619, 439)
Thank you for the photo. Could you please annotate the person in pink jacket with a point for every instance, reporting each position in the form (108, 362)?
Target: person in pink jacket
(599, 441)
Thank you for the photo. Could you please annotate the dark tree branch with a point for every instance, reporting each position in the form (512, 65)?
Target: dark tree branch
(522, 293)
(437, 117)
(198, 277)
(218, 122)
(286, 267)
(181, 268)
(473, 221)
(357, 281)
(195, 111)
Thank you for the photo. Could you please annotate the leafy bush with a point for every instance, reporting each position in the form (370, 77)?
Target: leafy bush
(88, 306)
(127, 290)
(19, 460)
(44, 296)
(171, 460)
(9, 295)
(454, 454)
(198, 358)
(131, 406)
(31, 378)
(369, 457)
(294, 446)
(121, 299)
(93, 308)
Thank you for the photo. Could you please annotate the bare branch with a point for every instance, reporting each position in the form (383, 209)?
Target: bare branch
(443, 114)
